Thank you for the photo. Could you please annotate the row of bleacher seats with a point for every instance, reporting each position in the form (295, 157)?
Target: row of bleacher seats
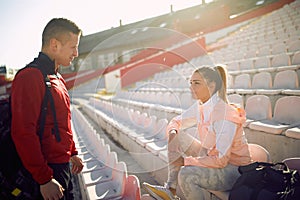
(275, 63)
(284, 82)
(103, 176)
(280, 28)
(266, 63)
(144, 135)
(283, 117)
(286, 109)
(257, 50)
(182, 71)
(166, 101)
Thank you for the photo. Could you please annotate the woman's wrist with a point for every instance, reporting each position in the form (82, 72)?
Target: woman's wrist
(173, 131)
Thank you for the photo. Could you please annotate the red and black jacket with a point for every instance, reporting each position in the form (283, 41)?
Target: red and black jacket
(28, 91)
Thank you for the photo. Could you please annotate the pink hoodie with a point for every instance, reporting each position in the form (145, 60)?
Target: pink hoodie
(238, 152)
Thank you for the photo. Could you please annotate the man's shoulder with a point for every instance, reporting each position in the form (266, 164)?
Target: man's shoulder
(28, 74)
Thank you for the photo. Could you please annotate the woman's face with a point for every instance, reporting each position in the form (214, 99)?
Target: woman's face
(200, 88)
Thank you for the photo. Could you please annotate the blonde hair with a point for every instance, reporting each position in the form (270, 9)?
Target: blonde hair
(223, 90)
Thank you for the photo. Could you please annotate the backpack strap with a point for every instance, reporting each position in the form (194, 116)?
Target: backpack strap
(47, 98)
(52, 105)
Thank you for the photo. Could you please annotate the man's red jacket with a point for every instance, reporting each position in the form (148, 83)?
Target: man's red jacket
(28, 91)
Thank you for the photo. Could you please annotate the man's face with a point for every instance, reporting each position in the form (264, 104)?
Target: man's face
(67, 49)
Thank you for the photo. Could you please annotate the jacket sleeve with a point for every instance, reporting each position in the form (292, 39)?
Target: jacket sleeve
(26, 99)
(219, 156)
(74, 150)
(187, 119)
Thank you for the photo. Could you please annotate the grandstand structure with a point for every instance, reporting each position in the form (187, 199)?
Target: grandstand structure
(260, 44)
(262, 55)
(263, 59)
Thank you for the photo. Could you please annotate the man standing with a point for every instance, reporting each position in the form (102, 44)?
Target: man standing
(47, 159)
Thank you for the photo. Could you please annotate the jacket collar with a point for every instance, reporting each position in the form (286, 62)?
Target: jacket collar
(45, 63)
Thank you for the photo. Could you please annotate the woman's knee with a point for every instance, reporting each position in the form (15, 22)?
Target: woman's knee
(184, 174)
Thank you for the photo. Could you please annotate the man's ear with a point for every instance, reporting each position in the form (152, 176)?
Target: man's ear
(53, 44)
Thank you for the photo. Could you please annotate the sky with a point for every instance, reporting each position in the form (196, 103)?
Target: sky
(22, 21)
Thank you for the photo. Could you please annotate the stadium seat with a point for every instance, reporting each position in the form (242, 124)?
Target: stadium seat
(236, 99)
(132, 188)
(262, 80)
(242, 81)
(242, 84)
(246, 66)
(103, 174)
(286, 115)
(265, 51)
(258, 107)
(263, 64)
(285, 82)
(294, 46)
(157, 145)
(293, 163)
(233, 66)
(287, 79)
(148, 128)
(279, 49)
(113, 189)
(259, 153)
(296, 58)
(293, 132)
(157, 134)
(251, 53)
(280, 60)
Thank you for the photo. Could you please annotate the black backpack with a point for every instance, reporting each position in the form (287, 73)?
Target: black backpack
(16, 182)
(266, 181)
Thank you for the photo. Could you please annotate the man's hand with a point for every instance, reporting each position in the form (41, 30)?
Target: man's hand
(77, 165)
(52, 190)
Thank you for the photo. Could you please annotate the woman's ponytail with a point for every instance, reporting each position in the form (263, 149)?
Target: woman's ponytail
(223, 73)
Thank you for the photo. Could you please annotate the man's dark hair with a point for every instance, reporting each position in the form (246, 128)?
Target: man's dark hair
(58, 26)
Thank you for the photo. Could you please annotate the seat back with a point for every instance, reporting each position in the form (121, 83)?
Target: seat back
(236, 99)
(293, 163)
(246, 64)
(294, 46)
(242, 81)
(132, 188)
(280, 60)
(279, 48)
(259, 153)
(296, 58)
(258, 107)
(287, 79)
(287, 110)
(262, 62)
(262, 80)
